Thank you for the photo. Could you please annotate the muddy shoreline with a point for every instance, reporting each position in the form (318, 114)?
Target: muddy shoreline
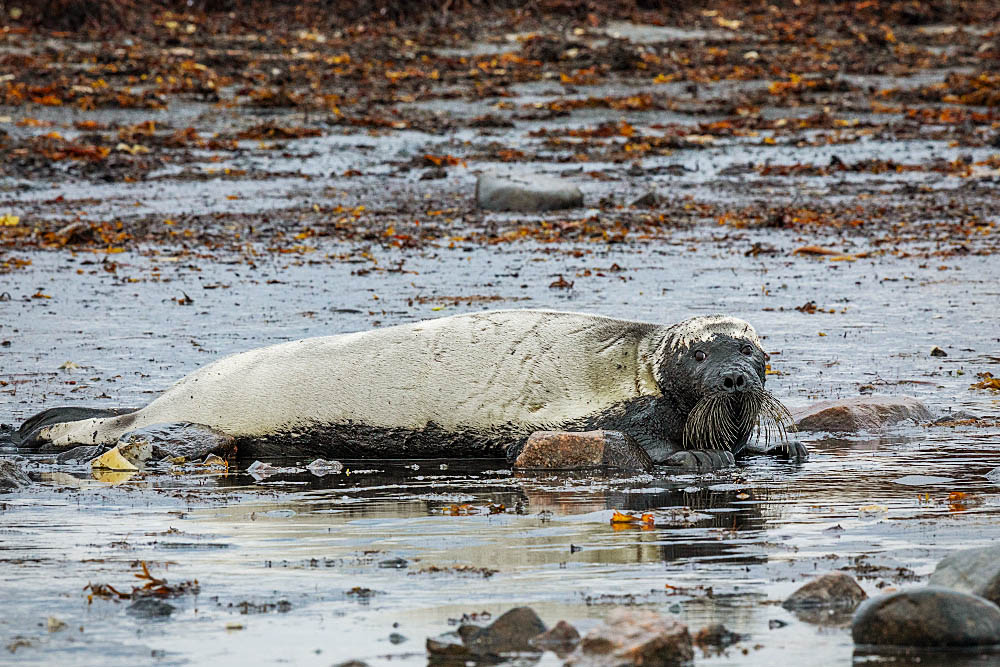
(202, 186)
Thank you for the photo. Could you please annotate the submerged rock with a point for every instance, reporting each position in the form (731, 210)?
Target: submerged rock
(586, 449)
(12, 476)
(864, 413)
(511, 633)
(835, 589)
(975, 571)
(927, 617)
(181, 439)
(634, 637)
(526, 193)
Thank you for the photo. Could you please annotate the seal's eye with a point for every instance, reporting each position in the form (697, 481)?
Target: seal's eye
(747, 349)
(699, 355)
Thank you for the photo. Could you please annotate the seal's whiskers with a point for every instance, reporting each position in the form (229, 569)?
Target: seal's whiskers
(720, 421)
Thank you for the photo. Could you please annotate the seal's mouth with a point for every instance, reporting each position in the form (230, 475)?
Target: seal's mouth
(725, 420)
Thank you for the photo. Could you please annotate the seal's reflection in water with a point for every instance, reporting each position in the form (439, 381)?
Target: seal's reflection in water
(692, 520)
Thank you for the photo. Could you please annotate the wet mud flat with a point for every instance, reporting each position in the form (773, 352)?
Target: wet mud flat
(202, 190)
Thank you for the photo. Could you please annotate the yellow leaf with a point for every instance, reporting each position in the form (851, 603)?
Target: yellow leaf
(9, 220)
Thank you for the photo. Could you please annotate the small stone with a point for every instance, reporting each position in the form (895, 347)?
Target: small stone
(994, 475)
(511, 632)
(587, 449)
(12, 476)
(526, 193)
(956, 416)
(864, 413)
(634, 637)
(322, 467)
(827, 600)
(150, 608)
(776, 623)
(352, 663)
(395, 563)
(716, 635)
(927, 617)
(938, 352)
(562, 639)
(648, 200)
(835, 589)
(975, 571)
(396, 638)
(54, 624)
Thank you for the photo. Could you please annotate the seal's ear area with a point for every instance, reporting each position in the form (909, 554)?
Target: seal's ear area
(26, 435)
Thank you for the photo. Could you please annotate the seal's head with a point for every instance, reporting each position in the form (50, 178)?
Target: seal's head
(712, 370)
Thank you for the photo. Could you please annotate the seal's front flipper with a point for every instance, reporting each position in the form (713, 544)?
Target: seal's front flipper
(792, 450)
(26, 436)
(701, 460)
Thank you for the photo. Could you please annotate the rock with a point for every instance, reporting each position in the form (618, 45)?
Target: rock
(956, 416)
(994, 475)
(397, 563)
(975, 571)
(938, 352)
(649, 200)
(79, 454)
(396, 638)
(716, 635)
(585, 449)
(510, 633)
(150, 608)
(835, 589)
(12, 476)
(634, 637)
(561, 639)
(864, 413)
(526, 193)
(113, 459)
(927, 617)
(171, 440)
(513, 631)
(321, 467)
(826, 600)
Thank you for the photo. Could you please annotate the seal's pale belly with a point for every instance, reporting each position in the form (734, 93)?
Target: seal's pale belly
(470, 382)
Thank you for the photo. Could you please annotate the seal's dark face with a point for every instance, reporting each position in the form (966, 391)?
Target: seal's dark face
(714, 374)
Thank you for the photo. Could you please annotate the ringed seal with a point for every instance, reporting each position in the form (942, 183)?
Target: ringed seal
(474, 385)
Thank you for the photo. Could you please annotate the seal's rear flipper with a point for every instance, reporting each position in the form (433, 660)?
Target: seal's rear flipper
(26, 435)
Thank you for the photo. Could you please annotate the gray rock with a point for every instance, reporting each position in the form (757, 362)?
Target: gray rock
(835, 589)
(511, 633)
(561, 639)
(957, 416)
(648, 200)
(975, 571)
(994, 475)
(150, 608)
(12, 476)
(864, 413)
(80, 454)
(586, 449)
(716, 636)
(929, 617)
(634, 637)
(526, 193)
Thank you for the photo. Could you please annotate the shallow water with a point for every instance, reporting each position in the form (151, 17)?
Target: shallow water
(877, 506)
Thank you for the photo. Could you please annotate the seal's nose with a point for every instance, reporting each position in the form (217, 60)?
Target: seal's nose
(734, 382)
